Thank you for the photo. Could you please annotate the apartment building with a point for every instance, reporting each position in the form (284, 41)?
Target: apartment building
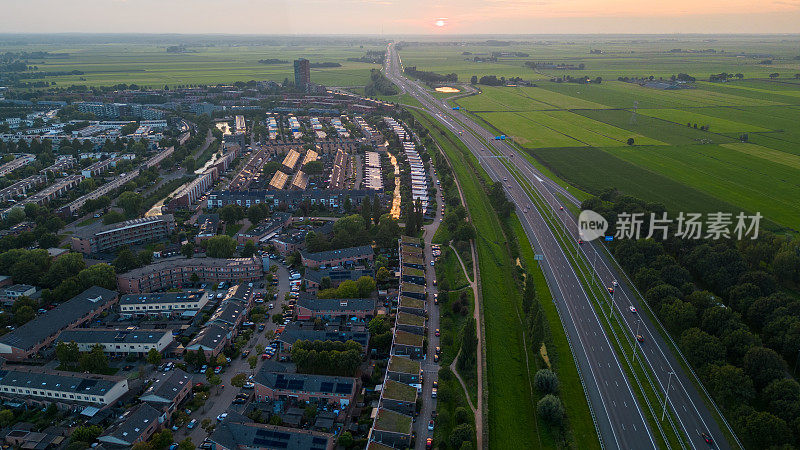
(163, 303)
(118, 342)
(68, 390)
(102, 238)
(179, 272)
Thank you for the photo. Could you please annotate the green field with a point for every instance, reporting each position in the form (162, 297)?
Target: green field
(579, 131)
(109, 64)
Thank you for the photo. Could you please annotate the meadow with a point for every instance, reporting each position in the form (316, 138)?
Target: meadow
(147, 64)
(746, 160)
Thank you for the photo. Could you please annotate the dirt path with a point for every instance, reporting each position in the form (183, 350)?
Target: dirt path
(463, 385)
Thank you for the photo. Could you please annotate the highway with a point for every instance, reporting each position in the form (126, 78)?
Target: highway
(619, 417)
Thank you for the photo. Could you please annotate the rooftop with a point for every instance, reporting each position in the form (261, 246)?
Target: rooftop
(41, 327)
(410, 319)
(162, 297)
(412, 288)
(133, 424)
(237, 431)
(334, 304)
(71, 382)
(392, 421)
(405, 338)
(296, 332)
(409, 302)
(232, 263)
(350, 252)
(96, 335)
(307, 383)
(99, 228)
(402, 364)
(166, 386)
(395, 390)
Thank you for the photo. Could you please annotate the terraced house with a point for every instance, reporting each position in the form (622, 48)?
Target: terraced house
(162, 303)
(68, 390)
(118, 342)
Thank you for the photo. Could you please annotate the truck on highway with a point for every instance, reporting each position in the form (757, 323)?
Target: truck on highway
(501, 137)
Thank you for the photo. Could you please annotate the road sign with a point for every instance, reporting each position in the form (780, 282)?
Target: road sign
(538, 257)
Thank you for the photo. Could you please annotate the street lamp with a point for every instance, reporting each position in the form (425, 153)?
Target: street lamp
(666, 396)
(635, 339)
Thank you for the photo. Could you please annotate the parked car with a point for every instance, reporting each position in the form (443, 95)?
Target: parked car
(191, 424)
(222, 417)
(430, 425)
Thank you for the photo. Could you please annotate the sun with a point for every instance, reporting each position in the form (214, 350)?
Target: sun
(440, 22)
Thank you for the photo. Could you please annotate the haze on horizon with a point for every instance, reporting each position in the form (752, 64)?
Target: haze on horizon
(400, 16)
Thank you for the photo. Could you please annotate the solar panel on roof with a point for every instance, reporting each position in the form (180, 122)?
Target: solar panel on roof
(326, 386)
(296, 384)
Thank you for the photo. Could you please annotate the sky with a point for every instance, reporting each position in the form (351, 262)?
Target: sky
(394, 17)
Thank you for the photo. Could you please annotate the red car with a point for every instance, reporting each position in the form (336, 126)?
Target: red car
(707, 438)
(429, 443)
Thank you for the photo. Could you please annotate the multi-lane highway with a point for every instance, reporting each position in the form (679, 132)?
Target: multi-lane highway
(619, 416)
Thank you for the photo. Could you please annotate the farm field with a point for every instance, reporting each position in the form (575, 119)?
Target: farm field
(151, 65)
(579, 131)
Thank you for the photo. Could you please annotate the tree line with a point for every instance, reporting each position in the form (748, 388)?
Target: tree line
(327, 357)
(430, 77)
(733, 308)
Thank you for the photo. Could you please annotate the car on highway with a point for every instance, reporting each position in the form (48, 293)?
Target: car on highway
(640, 338)
(611, 290)
(707, 438)
(633, 310)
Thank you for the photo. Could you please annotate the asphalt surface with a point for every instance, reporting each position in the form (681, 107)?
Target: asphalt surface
(430, 369)
(619, 418)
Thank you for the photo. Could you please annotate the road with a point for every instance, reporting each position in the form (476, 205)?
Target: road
(430, 369)
(619, 417)
(620, 420)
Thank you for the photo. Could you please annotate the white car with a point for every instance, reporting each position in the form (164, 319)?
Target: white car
(633, 310)
(222, 417)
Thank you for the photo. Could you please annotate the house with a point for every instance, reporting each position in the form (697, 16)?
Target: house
(399, 397)
(410, 322)
(310, 307)
(265, 230)
(239, 432)
(404, 370)
(162, 304)
(412, 259)
(67, 390)
(11, 293)
(411, 305)
(337, 391)
(413, 290)
(207, 226)
(297, 332)
(407, 344)
(372, 445)
(168, 390)
(230, 314)
(135, 425)
(391, 428)
(313, 278)
(118, 342)
(40, 332)
(412, 241)
(212, 339)
(413, 275)
(351, 256)
(24, 437)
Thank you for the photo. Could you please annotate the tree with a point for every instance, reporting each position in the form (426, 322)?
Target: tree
(187, 249)
(49, 240)
(186, 444)
(98, 275)
(130, 202)
(383, 274)
(125, 261)
(154, 357)
(212, 378)
(729, 385)
(86, 434)
(346, 439)
(231, 213)
(257, 213)
(546, 381)
(248, 250)
(221, 246)
(678, 316)
(630, 141)
(238, 380)
(7, 417)
(67, 353)
(760, 429)
(460, 434)
(145, 257)
(313, 168)
(763, 365)
(252, 361)
(701, 348)
(365, 286)
(188, 164)
(93, 361)
(550, 409)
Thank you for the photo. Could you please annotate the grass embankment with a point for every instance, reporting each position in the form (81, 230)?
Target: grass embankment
(512, 417)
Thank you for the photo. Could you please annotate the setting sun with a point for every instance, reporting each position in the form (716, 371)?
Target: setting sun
(440, 22)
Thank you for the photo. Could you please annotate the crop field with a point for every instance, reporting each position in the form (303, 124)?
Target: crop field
(748, 159)
(152, 65)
